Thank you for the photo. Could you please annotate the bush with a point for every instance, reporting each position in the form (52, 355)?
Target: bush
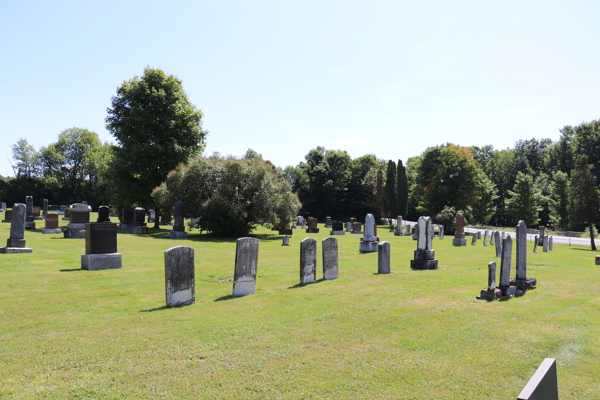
(447, 217)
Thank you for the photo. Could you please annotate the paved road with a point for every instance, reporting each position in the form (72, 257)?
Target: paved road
(571, 241)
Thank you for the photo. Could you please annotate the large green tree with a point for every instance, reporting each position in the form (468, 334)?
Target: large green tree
(390, 188)
(156, 128)
(401, 190)
(26, 159)
(560, 190)
(525, 200)
(585, 198)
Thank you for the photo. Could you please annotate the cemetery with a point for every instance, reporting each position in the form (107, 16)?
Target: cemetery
(109, 306)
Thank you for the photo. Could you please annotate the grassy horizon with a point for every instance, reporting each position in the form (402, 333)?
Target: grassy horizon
(67, 333)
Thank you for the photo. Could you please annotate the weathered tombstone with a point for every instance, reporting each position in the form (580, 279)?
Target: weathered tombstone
(492, 238)
(505, 264)
(545, 243)
(45, 208)
(415, 232)
(337, 228)
(29, 217)
(535, 243)
(498, 244)
(478, 234)
(308, 261)
(127, 220)
(356, 228)
(103, 214)
(286, 240)
(178, 231)
(16, 242)
(384, 258)
(474, 240)
(331, 258)
(180, 276)
(79, 216)
(247, 251)
(424, 256)
(101, 247)
(328, 222)
(165, 219)
(286, 230)
(8, 216)
(441, 232)
(459, 236)
(312, 225)
(348, 226)
(542, 234)
(486, 237)
(597, 260)
(368, 243)
(151, 216)
(2, 206)
(139, 222)
(491, 292)
(62, 208)
(550, 243)
(521, 281)
(399, 226)
(51, 224)
(37, 212)
(543, 385)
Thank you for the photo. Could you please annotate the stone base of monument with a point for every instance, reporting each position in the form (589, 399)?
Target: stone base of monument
(397, 233)
(95, 262)
(57, 230)
(327, 226)
(337, 233)
(312, 230)
(38, 218)
(358, 232)
(15, 250)
(66, 218)
(523, 284)
(243, 288)
(178, 235)
(139, 230)
(424, 264)
(368, 247)
(29, 224)
(7, 221)
(286, 231)
(459, 242)
(74, 234)
(490, 295)
(125, 226)
(508, 291)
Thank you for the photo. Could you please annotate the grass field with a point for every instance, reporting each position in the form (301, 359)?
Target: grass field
(67, 333)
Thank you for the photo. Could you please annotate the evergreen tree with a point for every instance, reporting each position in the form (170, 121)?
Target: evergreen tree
(390, 189)
(525, 200)
(585, 199)
(401, 190)
(380, 195)
(559, 200)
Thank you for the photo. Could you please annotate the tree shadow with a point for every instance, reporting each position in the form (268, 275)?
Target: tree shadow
(299, 285)
(207, 238)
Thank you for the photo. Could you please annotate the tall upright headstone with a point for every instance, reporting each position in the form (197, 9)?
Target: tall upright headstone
(550, 243)
(542, 234)
(384, 258)
(543, 385)
(459, 236)
(505, 265)
(139, 226)
(101, 247)
(178, 231)
(308, 261)
(331, 258)
(180, 276)
(545, 243)
(16, 241)
(521, 281)
(45, 207)
(424, 256)
(29, 217)
(399, 225)
(247, 251)
(474, 240)
(498, 244)
(368, 243)
(127, 219)
(441, 232)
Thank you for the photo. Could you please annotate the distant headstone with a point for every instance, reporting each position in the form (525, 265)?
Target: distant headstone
(368, 243)
(543, 385)
(16, 241)
(139, 222)
(103, 214)
(37, 212)
(101, 247)
(348, 226)
(151, 216)
(80, 215)
(45, 207)
(8, 216)
(29, 217)
(165, 219)
(399, 226)
(542, 235)
(247, 251)
(550, 242)
(331, 258)
(505, 265)
(486, 237)
(498, 244)
(308, 261)
(51, 224)
(2, 206)
(127, 220)
(312, 225)
(474, 240)
(597, 260)
(441, 232)
(178, 231)
(459, 236)
(356, 228)
(337, 228)
(424, 256)
(491, 292)
(286, 240)
(328, 222)
(521, 281)
(492, 238)
(545, 244)
(384, 258)
(180, 276)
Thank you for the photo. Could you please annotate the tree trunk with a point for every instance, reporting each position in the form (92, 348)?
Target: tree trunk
(592, 236)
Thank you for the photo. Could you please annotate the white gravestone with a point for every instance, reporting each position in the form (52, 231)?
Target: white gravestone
(247, 251)
(308, 261)
(331, 258)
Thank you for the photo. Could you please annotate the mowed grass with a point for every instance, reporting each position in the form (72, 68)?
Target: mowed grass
(67, 333)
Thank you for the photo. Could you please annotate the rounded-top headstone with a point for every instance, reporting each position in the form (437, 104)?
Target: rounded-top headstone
(103, 214)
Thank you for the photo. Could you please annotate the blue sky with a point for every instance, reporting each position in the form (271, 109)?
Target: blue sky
(383, 77)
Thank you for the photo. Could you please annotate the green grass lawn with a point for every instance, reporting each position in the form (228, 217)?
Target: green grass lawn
(67, 333)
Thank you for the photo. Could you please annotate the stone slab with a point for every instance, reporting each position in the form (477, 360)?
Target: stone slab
(312, 230)
(15, 242)
(76, 226)
(139, 230)
(15, 250)
(459, 242)
(368, 247)
(29, 224)
(424, 264)
(74, 234)
(180, 276)
(523, 284)
(178, 235)
(51, 230)
(337, 233)
(96, 262)
(543, 385)
(490, 295)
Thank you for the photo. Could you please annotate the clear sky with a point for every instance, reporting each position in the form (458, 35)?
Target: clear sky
(383, 77)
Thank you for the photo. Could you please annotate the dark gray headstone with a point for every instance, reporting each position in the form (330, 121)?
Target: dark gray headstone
(139, 216)
(29, 205)
(179, 216)
(331, 258)
(17, 226)
(45, 207)
(100, 238)
(180, 276)
(474, 240)
(543, 385)
(491, 276)
(247, 251)
(506, 261)
(498, 244)
(521, 250)
(127, 216)
(308, 261)
(103, 214)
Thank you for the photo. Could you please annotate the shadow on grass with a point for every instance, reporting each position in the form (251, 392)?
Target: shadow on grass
(156, 309)
(299, 285)
(204, 237)
(71, 270)
(228, 297)
(576, 248)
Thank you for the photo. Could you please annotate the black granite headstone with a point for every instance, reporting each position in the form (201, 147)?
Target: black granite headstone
(127, 216)
(100, 238)
(103, 214)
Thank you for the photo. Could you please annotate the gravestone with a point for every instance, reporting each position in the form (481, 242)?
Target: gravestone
(415, 232)
(545, 244)
(16, 242)
(498, 244)
(180, 276)
(308, 261)
(337, 228)
(7, 216)
(2, 206)
(45, 207)
(441, 232)
(328, 222)
(424, 256)
(356, 228)
(491, 292)
(459, 236)
(474, 240)
(80, 215)
(178, 231)
(368, 243)
(384, 258)
(247, 251)
(165, 219)
(486, 237)
(62, 208)
(331, 258)
(37, 212)
(286, 240)
(492, 238)
(535, 243)
(542, 235)
(312, 225)
(139, 222)
(286, 230)
(101, 247)
(29, 217)
(352, 219)
(521, 281)
(503, 235)
(348, 226)
(505, 265)
(478, 234)
(543, 385)
(103, 214)
(550, 243)
(151, 216)
(127, 220)
(399, 226)
(67, 215)
(51, 224)
(597, 260)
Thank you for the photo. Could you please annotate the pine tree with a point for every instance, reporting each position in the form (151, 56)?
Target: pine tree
(585, 199)
(525, 200)
(380, 195)
(390, 189)
(401, 191)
